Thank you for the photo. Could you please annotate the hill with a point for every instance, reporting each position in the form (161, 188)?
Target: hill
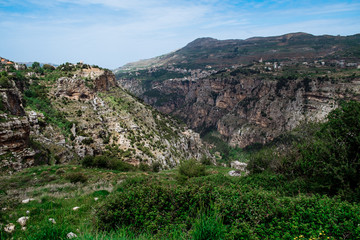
(216, 54)
(62, 115)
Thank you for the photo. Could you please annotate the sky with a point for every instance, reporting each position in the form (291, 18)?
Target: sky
(111, 33)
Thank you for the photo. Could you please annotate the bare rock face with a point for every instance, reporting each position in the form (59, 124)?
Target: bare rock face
(248, 109)
(14, 134)
(73, 88)
(85, 84)
(103, 79)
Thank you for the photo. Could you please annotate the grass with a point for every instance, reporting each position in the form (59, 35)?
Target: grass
(235, 208)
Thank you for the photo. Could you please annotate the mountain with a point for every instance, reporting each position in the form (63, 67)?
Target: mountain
(209, 52)
(250, 91)
(76, 111)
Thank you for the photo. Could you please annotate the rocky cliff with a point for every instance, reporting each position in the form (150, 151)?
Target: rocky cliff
(77, 111)
(256, 102)
(14, 127)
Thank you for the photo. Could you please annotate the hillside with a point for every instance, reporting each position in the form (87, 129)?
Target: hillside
(62, 115)
(268, 86)
(216, 54)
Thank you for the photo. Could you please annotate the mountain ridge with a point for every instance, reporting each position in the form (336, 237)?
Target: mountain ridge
(238, 50)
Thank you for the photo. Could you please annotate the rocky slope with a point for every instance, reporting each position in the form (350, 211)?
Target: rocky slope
(252, 103)
(77, 111)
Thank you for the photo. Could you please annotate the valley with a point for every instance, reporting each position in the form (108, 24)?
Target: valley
(221, 139)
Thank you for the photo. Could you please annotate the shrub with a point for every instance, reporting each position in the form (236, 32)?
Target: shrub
(87, 141)
(4, 81)
(207, 227)
(191, 168)
(326, 156)
(108, 162)
(76, 177)
(155, 166)
(245, 212)
(144, 167)
(332, 160)
(88, 161)
(205, 160)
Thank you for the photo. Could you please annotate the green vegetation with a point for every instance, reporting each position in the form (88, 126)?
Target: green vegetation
(4, 80)
(132, 205)
(189, 169)
(227, 153)
(36, 97)
(107, 161)
(326, 156)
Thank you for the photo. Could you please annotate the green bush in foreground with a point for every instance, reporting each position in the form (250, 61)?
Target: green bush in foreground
(241, 212)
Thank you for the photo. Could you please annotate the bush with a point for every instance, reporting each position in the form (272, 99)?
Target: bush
(87, 141)
(155, 166)
(144, 167)
(108, 162)
(76, 177)
(191, 168)
(332, 160)
(245, 212)
(207, 227)
(4, 81)
(205, 160)
(326, 156)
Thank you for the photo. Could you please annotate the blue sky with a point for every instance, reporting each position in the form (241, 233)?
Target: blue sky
(111, 33)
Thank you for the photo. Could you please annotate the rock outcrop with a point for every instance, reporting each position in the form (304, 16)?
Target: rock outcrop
(248, 109)
(15, 153)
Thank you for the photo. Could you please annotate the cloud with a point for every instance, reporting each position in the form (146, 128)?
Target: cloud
(113, 32)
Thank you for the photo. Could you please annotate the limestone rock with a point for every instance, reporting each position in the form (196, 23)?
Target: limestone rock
(52, 220)
(71, 235)
(9, 228)
(238, 165)
(22, 221)
(235, 173)
(28, 200)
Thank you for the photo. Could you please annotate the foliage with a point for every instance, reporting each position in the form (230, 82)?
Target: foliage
(47, 230)
(332, 160)
(191, 168)
(207, 227)
(4, 80)
(326, 156)
(155, 166)
(36, 97)
(37, 68)
(76, 177)
(241, 211)
(106, 161)
(227, 152)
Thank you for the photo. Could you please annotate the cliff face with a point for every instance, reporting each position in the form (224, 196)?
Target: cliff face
(14, 129)
(77, 111)
(248, 105)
